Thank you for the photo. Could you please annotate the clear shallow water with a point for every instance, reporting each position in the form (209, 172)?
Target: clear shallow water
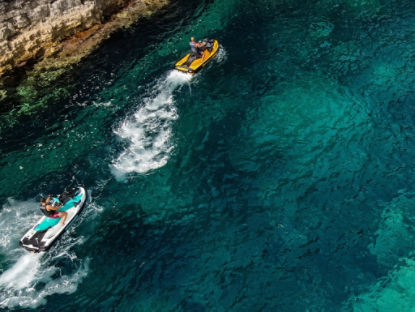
(279, 178)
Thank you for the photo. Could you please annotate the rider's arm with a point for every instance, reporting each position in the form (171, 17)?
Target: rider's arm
(55, 208)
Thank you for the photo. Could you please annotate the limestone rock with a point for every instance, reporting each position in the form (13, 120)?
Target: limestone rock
(6, 32)
(21, 21)
(40, 29)
(40, 13)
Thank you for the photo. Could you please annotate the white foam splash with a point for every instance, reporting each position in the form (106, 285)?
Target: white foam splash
(14, 216)
(222, 55)
(102, 104)
(22, 273)
(31, 278)
(148, 131)
(26, 293)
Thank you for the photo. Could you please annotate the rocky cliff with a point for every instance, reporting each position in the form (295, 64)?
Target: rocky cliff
(57, 33)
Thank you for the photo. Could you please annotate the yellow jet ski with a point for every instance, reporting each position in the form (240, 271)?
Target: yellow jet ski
(191, 63)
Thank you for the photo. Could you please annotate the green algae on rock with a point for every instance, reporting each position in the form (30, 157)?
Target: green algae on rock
(54, 36)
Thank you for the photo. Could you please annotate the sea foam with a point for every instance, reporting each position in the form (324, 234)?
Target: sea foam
(31, 277)
(149, 130)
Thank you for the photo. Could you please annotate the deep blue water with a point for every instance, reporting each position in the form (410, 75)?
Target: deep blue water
(279, 178)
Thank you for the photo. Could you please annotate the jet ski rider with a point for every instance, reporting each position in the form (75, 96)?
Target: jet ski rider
(197, 48)
(49, 207)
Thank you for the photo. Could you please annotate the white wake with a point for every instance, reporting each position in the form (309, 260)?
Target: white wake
(149, 130)
(27, 279)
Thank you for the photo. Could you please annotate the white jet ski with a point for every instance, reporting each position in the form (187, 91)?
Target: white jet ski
(47, 230)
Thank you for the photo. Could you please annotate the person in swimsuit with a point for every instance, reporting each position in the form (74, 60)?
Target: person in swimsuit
(50, 205)
(197, 48)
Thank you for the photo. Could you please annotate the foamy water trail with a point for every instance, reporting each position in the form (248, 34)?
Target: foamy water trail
(26, 278)
(222, 55)
(148, 131)
(22, 273)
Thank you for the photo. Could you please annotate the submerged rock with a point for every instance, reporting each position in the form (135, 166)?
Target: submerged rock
(395, 236)
(394, 292)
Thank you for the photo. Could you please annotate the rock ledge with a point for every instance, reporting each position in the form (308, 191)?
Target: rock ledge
(58, 33)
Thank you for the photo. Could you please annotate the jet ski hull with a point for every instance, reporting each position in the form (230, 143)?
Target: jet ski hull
(192, 66)
(41, 236)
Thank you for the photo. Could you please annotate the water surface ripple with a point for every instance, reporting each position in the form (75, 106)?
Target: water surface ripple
(277, 179)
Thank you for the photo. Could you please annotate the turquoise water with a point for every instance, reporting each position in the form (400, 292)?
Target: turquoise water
(277, 179)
